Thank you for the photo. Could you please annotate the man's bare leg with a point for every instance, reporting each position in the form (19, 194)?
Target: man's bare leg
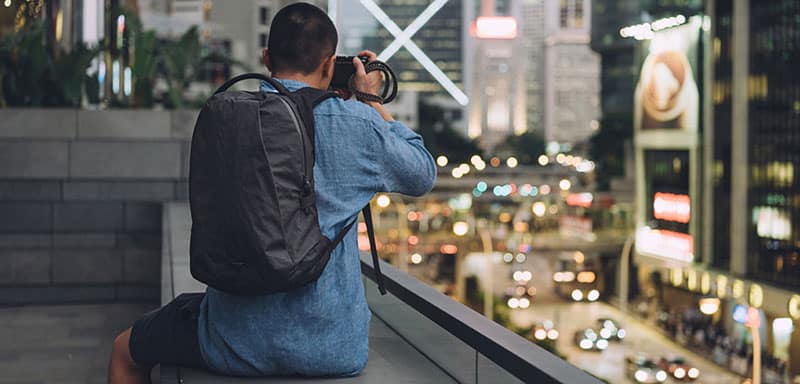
(122, 369)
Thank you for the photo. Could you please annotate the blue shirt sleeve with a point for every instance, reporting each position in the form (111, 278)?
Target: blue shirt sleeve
(404, 164)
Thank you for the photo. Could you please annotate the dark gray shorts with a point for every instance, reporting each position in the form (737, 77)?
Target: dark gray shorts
(168, 335)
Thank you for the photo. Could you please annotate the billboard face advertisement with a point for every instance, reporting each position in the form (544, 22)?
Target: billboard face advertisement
(667, 95)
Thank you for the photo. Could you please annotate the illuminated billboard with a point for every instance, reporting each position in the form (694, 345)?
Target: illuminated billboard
(669, 207)
(667, 95)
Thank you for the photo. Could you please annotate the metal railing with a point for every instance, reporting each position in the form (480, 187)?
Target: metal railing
(509, 355)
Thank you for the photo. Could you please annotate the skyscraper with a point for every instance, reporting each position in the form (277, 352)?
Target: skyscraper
(571, 72)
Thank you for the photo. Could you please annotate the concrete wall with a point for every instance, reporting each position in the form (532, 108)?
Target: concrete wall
(80, 201)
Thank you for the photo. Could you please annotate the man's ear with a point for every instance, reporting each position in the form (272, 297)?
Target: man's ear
(265, 57)
(328, 66)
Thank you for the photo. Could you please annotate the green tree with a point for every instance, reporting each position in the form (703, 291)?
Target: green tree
(608, 147)
(436, 129)
(525, 147)
(31, 75)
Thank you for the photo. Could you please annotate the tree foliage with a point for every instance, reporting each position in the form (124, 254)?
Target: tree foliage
(435, 127)
(525, 147)
(31, 75)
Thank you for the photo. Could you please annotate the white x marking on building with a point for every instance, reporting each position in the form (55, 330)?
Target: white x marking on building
(403, 39)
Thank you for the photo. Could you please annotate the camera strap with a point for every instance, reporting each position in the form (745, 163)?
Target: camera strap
(389, 84)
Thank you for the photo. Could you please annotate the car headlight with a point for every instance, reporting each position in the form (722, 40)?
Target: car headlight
(694, 373)
(621, 334)
(679, 373)
(661, 376)
(577, 295)
(540, 334)
(586, 344)
(602, 344)
(640, 376)
(605, 333)
(552, 334)
(593, 295)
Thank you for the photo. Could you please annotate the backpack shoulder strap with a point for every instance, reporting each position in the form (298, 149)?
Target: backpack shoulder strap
(376, 263)
(306, 99)
(276, 84)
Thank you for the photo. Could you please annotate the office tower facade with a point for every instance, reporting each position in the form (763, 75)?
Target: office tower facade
(532, 28)
(717, 189)
(497, 86)
(571, 72)
(441, 38)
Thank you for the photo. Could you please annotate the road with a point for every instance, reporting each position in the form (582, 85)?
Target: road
(570, 317)
(641, 337)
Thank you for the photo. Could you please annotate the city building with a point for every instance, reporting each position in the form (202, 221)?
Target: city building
(532, 28)
(441, 38)
(571, 73)
(497, 90)
(716, 146)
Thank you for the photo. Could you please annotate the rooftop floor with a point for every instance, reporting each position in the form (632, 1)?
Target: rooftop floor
(61, 343)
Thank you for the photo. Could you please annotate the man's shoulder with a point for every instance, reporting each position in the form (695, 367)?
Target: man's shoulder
(347, 109)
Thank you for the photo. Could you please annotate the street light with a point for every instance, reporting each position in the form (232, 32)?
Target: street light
(383, 201)
(460, 228)
(564, 184)
(709, 305)
(512, 162)
(441, 160)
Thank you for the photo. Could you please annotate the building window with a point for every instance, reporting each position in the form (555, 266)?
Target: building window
(578, 20)
(262, 40)
(263, 15)
(564, 13)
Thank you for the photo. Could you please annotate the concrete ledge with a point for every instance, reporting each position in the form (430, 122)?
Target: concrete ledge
(182, 123)
(30, 190)
(63, 294)
(125, 160)
(50, 123)
(33, 159)
(117, 190)
(124, 124)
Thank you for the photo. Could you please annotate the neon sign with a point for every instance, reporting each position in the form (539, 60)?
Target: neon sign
(672, 207)
(666, 244)
(495, 27)
(580, 199)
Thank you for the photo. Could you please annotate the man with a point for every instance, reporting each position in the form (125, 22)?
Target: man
(319, 329)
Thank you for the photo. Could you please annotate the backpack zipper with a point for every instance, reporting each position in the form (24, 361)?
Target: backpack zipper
(302, 140)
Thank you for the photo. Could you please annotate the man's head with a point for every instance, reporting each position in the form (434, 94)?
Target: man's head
(302, 42)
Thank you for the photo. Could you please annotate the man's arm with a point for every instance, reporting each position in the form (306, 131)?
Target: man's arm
(370, 83)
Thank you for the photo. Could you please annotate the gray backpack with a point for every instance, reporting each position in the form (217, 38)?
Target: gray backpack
(255, 229)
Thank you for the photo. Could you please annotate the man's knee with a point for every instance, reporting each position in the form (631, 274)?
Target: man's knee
(120, 351)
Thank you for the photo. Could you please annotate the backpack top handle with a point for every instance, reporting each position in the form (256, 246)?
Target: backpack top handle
(278, 86)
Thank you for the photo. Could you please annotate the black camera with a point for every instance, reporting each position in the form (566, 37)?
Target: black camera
(343, 69)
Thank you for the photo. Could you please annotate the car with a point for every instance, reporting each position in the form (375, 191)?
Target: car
(589, 340)
(610, 329)
(544, 331)
(678, 368)
(642, 369)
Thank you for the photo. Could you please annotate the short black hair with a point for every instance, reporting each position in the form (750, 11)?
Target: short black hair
(300, 37)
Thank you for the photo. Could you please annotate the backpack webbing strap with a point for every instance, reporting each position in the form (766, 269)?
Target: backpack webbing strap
(277, 85)
(376, 264)
(367, 212)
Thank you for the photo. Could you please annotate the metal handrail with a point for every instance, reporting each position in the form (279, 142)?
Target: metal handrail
(517, 355)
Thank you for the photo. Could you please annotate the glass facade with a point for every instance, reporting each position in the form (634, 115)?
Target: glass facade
(774, 142)
(721, 98)
(667, 190)
(440, 39)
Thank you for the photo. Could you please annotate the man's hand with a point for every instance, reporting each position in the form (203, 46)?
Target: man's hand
(364, 82)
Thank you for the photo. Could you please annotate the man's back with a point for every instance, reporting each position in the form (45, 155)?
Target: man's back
(322, 328)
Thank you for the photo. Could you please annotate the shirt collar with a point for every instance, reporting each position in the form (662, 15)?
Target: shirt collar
(291, 85)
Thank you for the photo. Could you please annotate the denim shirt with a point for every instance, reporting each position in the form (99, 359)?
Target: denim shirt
(321, 329)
